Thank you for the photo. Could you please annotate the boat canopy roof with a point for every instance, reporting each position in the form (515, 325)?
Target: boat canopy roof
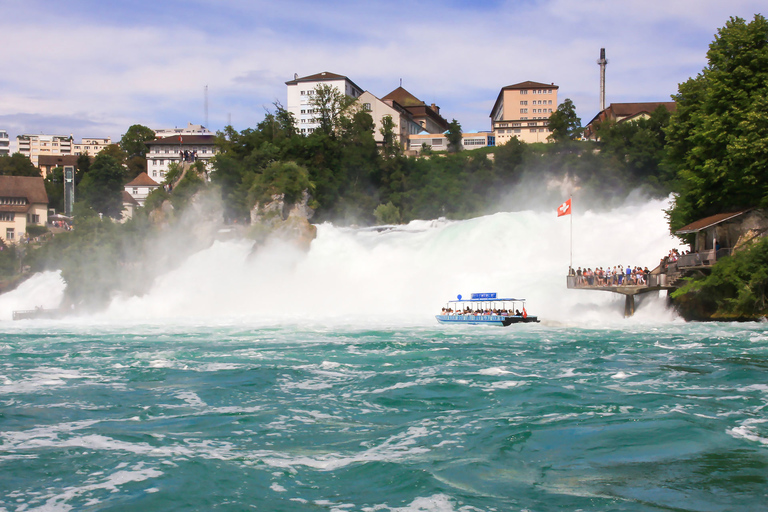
(485, 297)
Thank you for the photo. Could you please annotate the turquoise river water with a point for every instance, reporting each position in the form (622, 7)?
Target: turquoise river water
(283, 380)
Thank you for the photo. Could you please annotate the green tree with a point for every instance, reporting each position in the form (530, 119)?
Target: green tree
(564, 124)
(17, 165)
(83, 166)
(390, 146)
(102, 187)
(454, 136)
(717, 137)
(116, 152)
(286, 178)
(637, 147)
(330, 104)
(133, 141)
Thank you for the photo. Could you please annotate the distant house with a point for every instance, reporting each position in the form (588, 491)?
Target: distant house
(34, 146)
(5, 143)
(522, 112)
(170, 149)
(129, 206)
(190, 129)
(404, 124)
(23, 202)
(140, 187)
(439, 141)
(426, 116)
(624, 112)
(47, 163)
(301, 92)
(91, 146)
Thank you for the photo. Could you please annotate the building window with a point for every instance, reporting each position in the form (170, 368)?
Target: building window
(9, 233)
(517, 130)
(6, 216)
(33, 218)
(437, 142)
(524, 91)
(523, 102)
(523, 110)
(367, 107)
(135, 191)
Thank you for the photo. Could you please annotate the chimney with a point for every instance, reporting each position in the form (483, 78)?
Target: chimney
(436, 109)
(602, 63)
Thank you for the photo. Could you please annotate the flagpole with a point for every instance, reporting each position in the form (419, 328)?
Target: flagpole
(570, 198)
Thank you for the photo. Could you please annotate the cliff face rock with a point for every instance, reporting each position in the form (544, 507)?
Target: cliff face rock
(285, 221)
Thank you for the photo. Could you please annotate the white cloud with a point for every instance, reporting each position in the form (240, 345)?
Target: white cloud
(147, 63)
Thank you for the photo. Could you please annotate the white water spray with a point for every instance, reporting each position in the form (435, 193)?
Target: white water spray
(406, 274)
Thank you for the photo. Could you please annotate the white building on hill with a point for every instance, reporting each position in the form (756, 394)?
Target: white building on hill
(302, 90)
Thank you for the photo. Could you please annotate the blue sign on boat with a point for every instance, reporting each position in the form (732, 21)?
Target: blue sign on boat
(483, 295)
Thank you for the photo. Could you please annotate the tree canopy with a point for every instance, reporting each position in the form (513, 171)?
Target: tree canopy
(718, 136)
(102, 187)
(17, 165)
(133, 141)
(564, 123)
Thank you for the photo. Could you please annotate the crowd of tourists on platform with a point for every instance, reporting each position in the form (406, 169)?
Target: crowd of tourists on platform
(616, 276)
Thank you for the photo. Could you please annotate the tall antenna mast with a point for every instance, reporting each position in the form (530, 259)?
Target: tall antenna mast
(206, 105)
(602, 63)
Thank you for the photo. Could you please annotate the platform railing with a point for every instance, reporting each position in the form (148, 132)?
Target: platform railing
(650, 281)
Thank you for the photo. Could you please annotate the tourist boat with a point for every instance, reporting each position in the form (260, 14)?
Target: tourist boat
(485, 309)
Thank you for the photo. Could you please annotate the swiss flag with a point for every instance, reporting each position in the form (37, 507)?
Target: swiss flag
(565, 208)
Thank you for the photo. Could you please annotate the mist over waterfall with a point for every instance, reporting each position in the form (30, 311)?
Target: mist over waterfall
(405, 274)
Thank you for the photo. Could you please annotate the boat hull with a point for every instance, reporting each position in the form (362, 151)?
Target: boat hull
(499, 320)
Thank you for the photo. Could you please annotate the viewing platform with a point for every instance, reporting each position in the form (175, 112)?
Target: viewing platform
(653, 283)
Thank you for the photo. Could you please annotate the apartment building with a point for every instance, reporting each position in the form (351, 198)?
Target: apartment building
(301, 92)
(5, 143)
(404, 124)
(91, 146)
(171, 149)
(426, 116)
(522, 111)
(23, 202)
(190, 129)
(32, 146)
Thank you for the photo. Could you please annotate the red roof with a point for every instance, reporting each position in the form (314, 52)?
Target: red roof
(710, 221)
(31, 187)
(142, 180)
(128, 199)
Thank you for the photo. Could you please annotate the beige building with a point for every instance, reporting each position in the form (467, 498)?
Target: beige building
(439, 141)
(47, 163)
(23, 202)
(522, 111)
(379, 109)
(426, 116)
(32, 146)
(624, 112)
(91, 146)
(190, 129)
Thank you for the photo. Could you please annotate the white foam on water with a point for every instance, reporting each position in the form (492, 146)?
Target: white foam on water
(403, 275)
(42, 290)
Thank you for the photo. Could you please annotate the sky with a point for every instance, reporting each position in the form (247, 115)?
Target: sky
(94, 68)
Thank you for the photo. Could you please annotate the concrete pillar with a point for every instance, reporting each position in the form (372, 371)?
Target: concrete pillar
(629, 305)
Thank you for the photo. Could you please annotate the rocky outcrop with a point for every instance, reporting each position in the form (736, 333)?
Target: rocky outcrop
(284, 221)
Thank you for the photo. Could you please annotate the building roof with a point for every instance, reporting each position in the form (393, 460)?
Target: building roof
(31, 187)
(404, 98)
(186, 140)
(128, 199)
(628, 110)
(142, 180)
(708, 222)
(522, 85)
(322, 77)
(57, 160)
(530, 85)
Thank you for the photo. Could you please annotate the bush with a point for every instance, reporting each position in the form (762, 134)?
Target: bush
(387, 214)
